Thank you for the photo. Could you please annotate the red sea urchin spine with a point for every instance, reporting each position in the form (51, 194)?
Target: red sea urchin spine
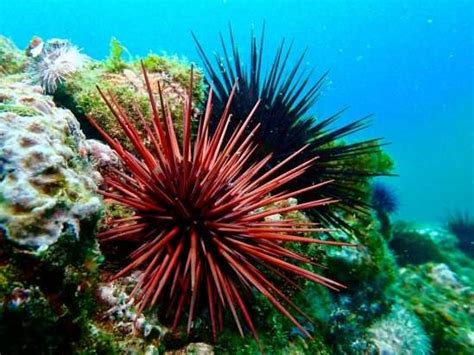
(199, 225)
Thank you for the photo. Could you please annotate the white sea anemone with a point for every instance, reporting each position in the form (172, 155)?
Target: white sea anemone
(57, 61)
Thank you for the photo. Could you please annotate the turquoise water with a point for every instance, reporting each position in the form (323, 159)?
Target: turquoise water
(410, 63)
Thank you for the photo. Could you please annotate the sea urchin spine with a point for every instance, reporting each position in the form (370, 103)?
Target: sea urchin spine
(200, 223)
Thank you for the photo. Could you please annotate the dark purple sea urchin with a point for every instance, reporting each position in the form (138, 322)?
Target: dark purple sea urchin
(200, 230)
(383, 198)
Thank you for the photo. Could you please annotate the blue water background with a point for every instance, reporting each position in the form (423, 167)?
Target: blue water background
(408, 62)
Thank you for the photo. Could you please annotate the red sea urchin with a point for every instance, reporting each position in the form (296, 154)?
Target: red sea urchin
(200, 208)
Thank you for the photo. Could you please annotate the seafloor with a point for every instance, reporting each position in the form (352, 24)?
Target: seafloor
(408, 287)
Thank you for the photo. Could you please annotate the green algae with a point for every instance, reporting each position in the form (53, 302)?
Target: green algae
(114, 62)
(56, 289)
(178, 70)
(12, 60)
(445, 311)
(19, 110)
(79, 94)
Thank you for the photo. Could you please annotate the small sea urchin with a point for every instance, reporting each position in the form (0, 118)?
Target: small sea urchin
(383, 199)
(54, 61)
(200, 231)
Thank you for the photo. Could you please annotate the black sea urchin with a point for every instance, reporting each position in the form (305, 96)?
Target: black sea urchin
(461, 224)
(286, 96)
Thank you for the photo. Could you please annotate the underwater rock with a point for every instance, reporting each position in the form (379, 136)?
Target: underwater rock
(45, 183)
(400, 332)
(12, 60)
(443, 301)
(121, 314)
(25, 308)
(193, 348)
(123, 79)
(414, 244)
(368, 262)
(443, 276)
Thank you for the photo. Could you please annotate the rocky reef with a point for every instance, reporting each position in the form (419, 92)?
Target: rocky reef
(408, 287)
(47, 187)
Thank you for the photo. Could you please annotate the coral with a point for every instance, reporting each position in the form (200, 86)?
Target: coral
(198, 226)
(287, 95)
(49, 211)
(462, 226)
(443, 303)
(45, 186)
(400, 332)
(12, 61)
(55, 62)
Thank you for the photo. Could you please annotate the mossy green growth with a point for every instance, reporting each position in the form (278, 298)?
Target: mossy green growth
(371, 160)
(98, 342)
(369, 261)
(115, 62)
(277, 334)
(415, 245)
(87, 101)
(446, 311)
(80, 94)
(374, 160)
(412, 247)
(178, 70)
(28, 323)
(47, 298)
(12, 60)
(19, 110)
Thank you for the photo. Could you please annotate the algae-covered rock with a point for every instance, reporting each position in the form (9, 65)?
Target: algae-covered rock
(124, 81)
(12, 60)
(45, 185)
(49, 212)
(443, 303)
(400, 332)
(120, 315)
(193, 348)
(419, 244)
